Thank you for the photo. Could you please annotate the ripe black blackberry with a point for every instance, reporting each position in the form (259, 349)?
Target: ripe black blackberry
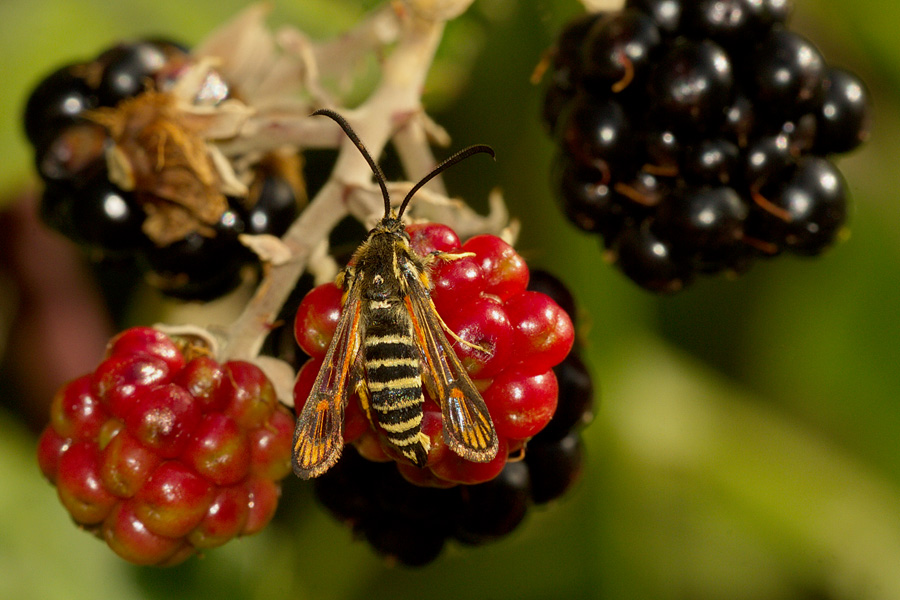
(83, 203)
(695, 137)
(411, 524)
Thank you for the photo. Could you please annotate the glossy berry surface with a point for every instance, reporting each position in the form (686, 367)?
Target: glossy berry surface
(690, 133)
(808, 210)
(843, 120)
(692, 84)
(57, 101)
(619, 48)
(164, 451)
(126, 70)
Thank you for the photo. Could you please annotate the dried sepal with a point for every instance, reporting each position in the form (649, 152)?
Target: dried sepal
(161, 155)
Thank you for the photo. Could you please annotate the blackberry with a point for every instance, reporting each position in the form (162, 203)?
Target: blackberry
(82, 203)
(127, 70)
(161, 453)
(506, 337)
(705, 223)
(694, 137)
(665, 13)
(411, 519)
(651, 261)
(618, 50)
(597, 134)
(59, 100)
(692, 85)
(787, 74)
(711, 161)
(275, 208)
(807, 210)
(200, 267)
(842, 121)
(491, 510)
(106, 217)
(554, 466)
(584, 197)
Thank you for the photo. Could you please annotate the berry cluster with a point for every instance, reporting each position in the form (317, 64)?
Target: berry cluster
(70, 119)
(693, 136)
(514, 339)
(411, 523)
(162, 453)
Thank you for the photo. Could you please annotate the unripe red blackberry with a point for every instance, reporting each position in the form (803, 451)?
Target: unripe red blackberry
(686, 129)
(410, 524)
(406, 513)
(163, 451)
(507, 338)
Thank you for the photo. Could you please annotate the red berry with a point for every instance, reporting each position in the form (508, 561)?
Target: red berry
(370, 447)
(355, 420)
(75, 411)
(126, 464)
(303, 385)
(219, 450)
(127, 535)
(201, 378)
(225, 518)
(484, 324)
(119, 378)
(317, 318)
(425, 238)
(505, 271)
(50, 448)
(543, 332)
(163, 418)
(251, 395)
(168, 456)
(146, 340)
(271, 445)
(80, 486)
(455, 282)
(422, 477)
(521, 404)
(263, 500)
(174, 500)
(459, 470)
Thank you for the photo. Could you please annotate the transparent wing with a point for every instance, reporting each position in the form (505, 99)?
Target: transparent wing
(468, 427)
(318, 437)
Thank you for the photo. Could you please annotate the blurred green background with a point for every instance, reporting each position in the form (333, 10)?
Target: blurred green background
(746, 444)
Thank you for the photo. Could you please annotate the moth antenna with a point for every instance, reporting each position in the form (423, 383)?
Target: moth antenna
(379, 174)
(462, 154)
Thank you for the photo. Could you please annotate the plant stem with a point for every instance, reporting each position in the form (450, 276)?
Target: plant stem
(397, 95)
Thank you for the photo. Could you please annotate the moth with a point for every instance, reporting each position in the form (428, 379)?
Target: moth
(388, 343)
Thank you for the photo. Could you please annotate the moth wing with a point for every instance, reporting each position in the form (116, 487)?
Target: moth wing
(318, 437)
(468, 428)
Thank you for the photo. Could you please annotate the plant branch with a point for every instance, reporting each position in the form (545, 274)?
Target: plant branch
(375, 121)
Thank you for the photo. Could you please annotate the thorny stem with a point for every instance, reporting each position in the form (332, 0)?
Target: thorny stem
(397, 95)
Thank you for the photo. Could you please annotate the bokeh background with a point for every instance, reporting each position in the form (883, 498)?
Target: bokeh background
(747, 440)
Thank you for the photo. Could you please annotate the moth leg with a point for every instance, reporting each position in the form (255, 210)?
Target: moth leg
(362, 391)
(445, 256)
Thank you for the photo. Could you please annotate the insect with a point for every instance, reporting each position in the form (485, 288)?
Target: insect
(389, 341)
